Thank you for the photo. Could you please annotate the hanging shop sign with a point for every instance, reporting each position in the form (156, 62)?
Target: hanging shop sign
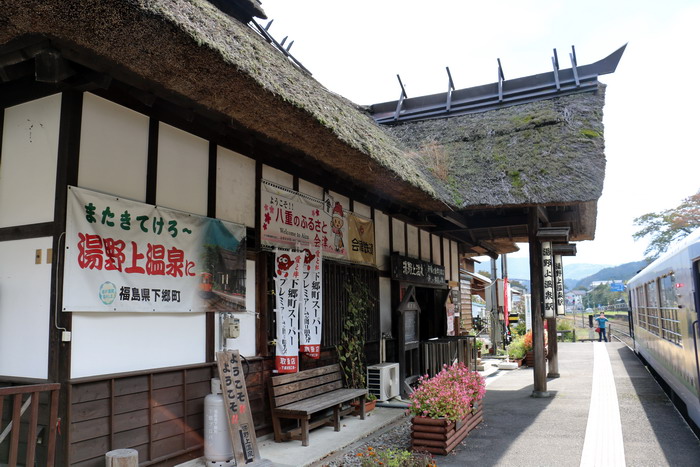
(361, 239)
(548, 280)
(416, 271)
(126, 256)
(288, 283)
(559, 285)
(311, 300)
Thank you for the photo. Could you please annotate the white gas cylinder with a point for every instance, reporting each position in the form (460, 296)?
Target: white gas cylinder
(217, 443)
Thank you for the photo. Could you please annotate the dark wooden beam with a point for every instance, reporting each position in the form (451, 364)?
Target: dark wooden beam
(536, 290)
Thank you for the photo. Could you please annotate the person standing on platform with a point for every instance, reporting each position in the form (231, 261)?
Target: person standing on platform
(602, 325)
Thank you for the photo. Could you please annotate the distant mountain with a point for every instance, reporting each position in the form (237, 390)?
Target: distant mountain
(622, 272)
(520, 268)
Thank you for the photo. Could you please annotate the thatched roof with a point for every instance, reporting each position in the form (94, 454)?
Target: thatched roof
(547, 152)
(189, 53)
(194, 52)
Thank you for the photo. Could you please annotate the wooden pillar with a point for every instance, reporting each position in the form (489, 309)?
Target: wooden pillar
(536, 286)
(552, 352)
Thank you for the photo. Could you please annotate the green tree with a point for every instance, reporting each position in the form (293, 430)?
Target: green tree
(667, 226)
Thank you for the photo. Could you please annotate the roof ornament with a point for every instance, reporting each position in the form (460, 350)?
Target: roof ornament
(401, 98)
(450, 88)
(501, 79)
(265, 32)
(555, 65)
(556, 82)
(574, 66)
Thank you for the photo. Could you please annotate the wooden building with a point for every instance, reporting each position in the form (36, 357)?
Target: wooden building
(178, 105)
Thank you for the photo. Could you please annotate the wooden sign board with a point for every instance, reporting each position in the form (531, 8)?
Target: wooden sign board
(238, 412)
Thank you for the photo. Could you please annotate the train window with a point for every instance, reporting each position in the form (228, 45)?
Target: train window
(640, 307)
(652, 299)
(670, 328)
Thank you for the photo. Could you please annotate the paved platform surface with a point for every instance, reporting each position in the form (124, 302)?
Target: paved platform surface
(605, 410)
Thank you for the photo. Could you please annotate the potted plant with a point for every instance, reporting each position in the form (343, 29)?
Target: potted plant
(446, 408)
(516, 350)
(351, 349)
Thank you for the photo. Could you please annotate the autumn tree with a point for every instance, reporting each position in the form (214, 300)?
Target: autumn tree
(667, 226)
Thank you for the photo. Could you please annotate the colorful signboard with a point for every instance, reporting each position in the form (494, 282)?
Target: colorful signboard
(295, 220)
(126, 256)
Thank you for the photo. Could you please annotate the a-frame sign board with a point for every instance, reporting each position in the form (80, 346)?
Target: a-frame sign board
(238, 413)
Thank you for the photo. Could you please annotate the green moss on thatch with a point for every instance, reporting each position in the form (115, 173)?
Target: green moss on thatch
(528, 154)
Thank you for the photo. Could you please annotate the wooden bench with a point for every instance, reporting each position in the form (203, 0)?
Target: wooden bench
(314, 398)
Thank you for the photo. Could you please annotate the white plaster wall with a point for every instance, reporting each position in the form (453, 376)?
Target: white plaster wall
(437, 258)
(235, 187)
(245, 343)
(28, 162)
(446, 258)
(25, 291)
(398, 236)
(412, 234)
(310, 189)
(113, 149)
(381, 239)
(362, 209)
(118, 342)
(277, 176)
(385, 304)
(183, 166)
(425, 245)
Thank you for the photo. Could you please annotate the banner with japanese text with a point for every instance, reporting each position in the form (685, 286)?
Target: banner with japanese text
(126, 256)
(294, 220)
(548, 280)
(311, 304)
(361, 239)
(289, 266)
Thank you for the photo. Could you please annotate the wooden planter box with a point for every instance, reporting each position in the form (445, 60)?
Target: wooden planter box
(440, 436)
(369, 406)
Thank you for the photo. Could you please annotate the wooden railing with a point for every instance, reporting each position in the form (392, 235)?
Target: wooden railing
(29, 398)
(446, 351)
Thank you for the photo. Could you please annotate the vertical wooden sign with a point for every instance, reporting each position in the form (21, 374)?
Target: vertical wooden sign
(240, 419)
(548, 280)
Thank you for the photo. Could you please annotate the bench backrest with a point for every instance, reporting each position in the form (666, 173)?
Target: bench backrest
(293, 387)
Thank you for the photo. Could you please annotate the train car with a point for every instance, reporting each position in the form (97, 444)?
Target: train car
(664, 299)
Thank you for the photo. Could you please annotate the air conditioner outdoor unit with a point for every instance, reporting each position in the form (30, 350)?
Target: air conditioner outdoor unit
(383, 380)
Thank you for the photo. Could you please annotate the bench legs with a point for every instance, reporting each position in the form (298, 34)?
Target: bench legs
(305, 431)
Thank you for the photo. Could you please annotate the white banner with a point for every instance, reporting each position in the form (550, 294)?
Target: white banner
(559, 285)
(288, 283)
(123, 255)
(312, 299)
(295, 220)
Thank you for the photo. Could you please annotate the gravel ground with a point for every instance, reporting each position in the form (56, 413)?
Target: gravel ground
(395, 436)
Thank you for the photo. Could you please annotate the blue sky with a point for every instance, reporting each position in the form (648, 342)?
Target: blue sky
(356, 49)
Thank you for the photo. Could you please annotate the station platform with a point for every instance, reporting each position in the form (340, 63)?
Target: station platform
(605, 409)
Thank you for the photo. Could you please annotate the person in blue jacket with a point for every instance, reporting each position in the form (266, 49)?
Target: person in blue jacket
(602, 320)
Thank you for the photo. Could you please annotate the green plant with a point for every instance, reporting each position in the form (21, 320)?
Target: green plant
(450, 394)
(395, 458)
(351, 349)
(516, 349)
